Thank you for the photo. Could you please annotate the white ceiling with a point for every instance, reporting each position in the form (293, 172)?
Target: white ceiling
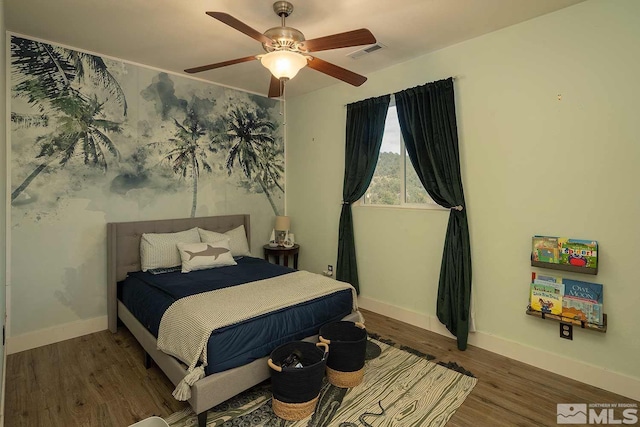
(177, 34)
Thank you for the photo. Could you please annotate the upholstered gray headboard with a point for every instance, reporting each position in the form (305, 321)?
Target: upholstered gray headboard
(123, 247)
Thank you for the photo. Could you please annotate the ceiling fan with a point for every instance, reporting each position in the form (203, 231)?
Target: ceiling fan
(288, 51)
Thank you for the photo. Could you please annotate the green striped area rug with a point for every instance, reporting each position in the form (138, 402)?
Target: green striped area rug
(399, 389)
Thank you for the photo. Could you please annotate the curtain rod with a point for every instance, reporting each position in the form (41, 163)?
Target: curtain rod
(454, 78)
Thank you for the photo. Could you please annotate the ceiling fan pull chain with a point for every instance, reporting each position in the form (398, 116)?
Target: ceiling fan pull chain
(282, 99)
(283, 110)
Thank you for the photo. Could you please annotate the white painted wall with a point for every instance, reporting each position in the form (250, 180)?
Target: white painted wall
(531, 164)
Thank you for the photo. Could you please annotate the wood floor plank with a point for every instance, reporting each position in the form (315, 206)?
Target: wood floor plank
(100, 380)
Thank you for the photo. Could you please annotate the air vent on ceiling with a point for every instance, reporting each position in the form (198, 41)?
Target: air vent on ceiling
(370, 49)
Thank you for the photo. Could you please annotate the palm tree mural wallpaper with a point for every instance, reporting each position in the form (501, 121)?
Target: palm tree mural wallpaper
(188, 151)
(254, 148)
(50, 79)
(96, 140)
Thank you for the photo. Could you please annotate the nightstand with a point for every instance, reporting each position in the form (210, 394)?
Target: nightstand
(280, 251)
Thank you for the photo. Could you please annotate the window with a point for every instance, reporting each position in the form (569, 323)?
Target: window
(395, 182)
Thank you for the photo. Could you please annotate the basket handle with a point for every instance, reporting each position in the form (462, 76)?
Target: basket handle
(324, 340)
(274, 366)
(326, 348)
(359, 325)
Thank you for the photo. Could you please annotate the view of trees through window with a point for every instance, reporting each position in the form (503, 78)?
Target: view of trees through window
(394, 181)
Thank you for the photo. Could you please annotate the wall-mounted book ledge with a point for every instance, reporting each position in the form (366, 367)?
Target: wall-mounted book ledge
(565, 267)
(581, 324)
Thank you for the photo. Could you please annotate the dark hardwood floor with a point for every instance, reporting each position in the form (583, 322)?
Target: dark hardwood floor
(100, 380)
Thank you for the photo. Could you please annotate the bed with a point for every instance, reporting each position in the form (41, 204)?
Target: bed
(123, 257)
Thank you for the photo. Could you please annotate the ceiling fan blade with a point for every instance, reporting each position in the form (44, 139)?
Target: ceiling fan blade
(335, 71)
(336, 41)
(219, 65)
(275, 87)
(240, 26)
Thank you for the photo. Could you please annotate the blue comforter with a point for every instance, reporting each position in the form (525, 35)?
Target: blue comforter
(148, 296)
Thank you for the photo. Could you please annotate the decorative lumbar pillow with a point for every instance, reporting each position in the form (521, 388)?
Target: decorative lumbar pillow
(199, 256)
(238, 245)
(160, 250)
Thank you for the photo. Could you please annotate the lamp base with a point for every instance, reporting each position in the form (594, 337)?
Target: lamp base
(280, 236)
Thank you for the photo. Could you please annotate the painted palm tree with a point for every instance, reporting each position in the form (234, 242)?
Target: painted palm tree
(79, 130)
(190, 150)
(271, 165)
(252, 148)
(44, 72)
(50, 78)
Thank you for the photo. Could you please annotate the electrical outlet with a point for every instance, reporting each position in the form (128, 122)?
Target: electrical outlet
(566, 331)
(329, 271)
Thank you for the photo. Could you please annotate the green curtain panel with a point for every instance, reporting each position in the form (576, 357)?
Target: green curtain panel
(427, 116)
(365, 127)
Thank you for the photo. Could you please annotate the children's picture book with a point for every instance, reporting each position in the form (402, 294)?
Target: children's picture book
(581, 253)
(562, 250)
(545, 249)
(546, 297)
(545, 278)
(582, 301)
(579, 301)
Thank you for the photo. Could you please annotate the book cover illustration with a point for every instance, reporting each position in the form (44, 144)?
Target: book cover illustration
(581, 253)
(545, 249)
(582, 301)
(546, 297)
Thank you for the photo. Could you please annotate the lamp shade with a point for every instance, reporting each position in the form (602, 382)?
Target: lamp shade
(282, 223)
(283, 63)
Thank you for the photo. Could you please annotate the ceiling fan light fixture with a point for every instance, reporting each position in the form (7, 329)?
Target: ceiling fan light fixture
(283, 63)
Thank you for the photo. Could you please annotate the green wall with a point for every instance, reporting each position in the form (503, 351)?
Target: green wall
(531, 164)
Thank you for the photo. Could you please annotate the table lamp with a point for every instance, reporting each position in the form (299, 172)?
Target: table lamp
(282, 226)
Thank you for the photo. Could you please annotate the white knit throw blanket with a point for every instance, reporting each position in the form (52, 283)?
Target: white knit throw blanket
(187, 324)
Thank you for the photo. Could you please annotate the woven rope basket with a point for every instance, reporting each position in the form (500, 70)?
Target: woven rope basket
(348, 343)
(296, 390)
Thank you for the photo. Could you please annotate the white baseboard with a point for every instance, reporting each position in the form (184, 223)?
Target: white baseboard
(55, 334)
(596, 376)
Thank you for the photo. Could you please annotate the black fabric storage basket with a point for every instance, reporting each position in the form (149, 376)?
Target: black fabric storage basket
(348, 344)
(296, 390)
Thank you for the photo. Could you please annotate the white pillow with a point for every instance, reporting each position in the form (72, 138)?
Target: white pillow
(159, 250)
(239, 245)
(199, 256)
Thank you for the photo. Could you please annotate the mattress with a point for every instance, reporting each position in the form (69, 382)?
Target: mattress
(148, 296)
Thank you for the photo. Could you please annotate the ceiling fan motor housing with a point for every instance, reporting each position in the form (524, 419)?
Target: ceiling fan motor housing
(284, 38)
